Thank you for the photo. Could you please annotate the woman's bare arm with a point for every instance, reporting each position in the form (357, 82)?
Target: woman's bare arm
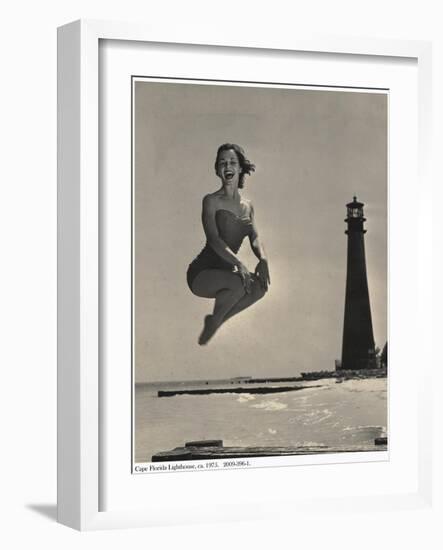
(254, 239)
(262, 269)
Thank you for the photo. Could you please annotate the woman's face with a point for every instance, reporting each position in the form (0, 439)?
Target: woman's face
(228, 167)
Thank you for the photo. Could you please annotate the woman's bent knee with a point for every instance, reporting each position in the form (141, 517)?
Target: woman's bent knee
(258, 291)
(236, 285)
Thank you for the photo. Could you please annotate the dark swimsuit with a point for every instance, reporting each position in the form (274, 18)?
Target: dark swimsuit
(232, 230)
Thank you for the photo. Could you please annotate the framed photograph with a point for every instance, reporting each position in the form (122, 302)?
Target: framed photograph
(238, 230)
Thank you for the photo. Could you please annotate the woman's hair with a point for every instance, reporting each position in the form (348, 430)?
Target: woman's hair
(246, 165)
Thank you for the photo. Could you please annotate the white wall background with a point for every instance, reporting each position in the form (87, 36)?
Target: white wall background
(28, 273)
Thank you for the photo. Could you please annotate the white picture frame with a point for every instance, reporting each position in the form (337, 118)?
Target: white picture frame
(79, 362)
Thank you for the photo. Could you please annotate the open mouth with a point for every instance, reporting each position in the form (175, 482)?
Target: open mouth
(229, 175)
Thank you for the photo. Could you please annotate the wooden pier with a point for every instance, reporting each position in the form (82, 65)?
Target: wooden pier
(259, 390)
(214, 449)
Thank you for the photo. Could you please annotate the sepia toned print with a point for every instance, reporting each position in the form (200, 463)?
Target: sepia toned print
(259, 271)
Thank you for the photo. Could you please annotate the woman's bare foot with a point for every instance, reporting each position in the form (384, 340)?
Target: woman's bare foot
(210, 327)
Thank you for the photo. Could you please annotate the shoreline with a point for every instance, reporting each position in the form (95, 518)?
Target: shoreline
(208, 391)
(248, 385)
(303, 377)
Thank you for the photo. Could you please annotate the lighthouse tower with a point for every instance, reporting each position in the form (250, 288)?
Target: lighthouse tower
(358, 339)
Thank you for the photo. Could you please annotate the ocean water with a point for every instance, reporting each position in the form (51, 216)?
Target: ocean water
(341, 414)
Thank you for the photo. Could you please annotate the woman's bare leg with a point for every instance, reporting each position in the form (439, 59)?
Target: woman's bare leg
(226, 288)
(256, 294)
(230, 297)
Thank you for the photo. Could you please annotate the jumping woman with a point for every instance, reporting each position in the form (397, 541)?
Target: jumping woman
(227, 219)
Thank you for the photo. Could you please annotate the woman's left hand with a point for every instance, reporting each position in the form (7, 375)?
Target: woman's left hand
(262, 273)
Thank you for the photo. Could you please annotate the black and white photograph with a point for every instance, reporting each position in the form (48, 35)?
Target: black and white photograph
(259, 268)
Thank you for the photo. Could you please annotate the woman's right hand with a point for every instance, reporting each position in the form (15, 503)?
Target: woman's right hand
(246, 278)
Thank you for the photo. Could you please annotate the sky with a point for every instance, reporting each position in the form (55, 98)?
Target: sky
(314, 149)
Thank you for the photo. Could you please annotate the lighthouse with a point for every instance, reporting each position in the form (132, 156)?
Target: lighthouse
(358, 339)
